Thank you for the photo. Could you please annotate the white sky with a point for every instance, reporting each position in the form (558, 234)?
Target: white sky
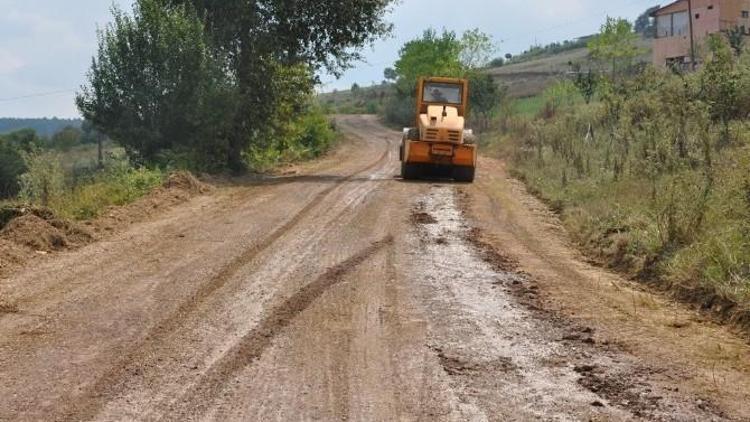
(46, 45)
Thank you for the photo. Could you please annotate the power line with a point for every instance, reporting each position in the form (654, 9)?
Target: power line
(42, 94)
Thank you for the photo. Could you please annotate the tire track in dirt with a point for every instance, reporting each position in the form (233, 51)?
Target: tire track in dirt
(97, 394)
(253, 345)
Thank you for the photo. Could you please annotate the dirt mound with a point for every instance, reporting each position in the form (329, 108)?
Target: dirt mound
(44, 235)
(178, 188)
(10, 212)
(186, 181)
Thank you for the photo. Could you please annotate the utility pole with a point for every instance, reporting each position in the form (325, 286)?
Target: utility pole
(692, 35)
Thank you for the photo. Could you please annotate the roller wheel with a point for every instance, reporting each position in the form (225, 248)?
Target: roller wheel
(409, 171)
(464, 174)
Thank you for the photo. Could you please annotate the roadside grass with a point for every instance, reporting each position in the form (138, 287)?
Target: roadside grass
(632, 203)
(529, 106)
(622, 226)
(113, 187)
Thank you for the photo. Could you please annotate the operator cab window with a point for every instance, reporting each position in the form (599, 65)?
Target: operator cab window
(442, 93)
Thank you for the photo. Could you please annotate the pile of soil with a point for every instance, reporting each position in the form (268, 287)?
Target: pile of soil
(179, 187)
(27, 232)
(185, 181)
(45, 235)
(39, 230)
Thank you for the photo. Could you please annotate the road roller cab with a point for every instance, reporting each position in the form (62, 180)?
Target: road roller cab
(440, 145)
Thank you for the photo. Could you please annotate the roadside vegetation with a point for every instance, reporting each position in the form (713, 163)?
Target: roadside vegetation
(187, 85)
(648, 169)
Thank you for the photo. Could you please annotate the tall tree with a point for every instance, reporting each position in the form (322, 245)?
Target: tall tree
(261, 37)
(155, 85)
(615, 45)
(645, 24)
(477, 49)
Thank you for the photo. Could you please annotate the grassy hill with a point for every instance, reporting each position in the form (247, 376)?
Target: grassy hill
(365, 100)
(530, 78)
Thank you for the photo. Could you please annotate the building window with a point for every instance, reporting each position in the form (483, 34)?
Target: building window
(746, 14)
(673, 25)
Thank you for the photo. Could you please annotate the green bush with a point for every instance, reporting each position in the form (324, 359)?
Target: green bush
(304, 137)
(44, 179)
(120, 184)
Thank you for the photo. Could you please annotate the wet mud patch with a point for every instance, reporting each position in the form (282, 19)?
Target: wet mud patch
(506, 353)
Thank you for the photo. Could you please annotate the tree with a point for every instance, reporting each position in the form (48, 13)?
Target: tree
(155, 85)
(431, 55)
(477, 49)
(585, 81)
(724, 86)
(259, 39)
(497, 62)
(12, 165)
(485, 97)
(390, 74)
(645, 24)
(615, 45)
(736, 39)
(67, 138)
(355, 88)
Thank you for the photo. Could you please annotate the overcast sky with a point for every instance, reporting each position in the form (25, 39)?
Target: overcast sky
(46, 45)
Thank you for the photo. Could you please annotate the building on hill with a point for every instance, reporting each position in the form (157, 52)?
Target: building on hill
(672, 46)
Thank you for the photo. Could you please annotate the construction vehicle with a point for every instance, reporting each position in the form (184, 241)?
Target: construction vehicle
(440, 145)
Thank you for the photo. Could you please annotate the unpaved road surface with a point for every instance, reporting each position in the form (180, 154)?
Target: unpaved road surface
(344, 293)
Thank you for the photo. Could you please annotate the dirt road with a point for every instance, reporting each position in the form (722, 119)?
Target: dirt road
(343, 293)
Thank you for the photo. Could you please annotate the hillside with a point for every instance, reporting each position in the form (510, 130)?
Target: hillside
(531, 77)
(43, 127)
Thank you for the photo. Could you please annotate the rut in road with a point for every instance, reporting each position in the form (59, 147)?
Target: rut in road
(254, 343)
(92, 406)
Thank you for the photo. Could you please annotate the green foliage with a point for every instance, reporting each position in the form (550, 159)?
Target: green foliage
(118, 185)
(736, 38)
(586, 82)
(204, 82)
(642, 175)
(485, 98)
(155, 85)
(477, 49)
(262, 39)
(645, 24)
(67, 138)
(615, 45)
(445, 55)
(44, 179)
(724, 86)
(13, 146)
(306, 136)
(431, 55)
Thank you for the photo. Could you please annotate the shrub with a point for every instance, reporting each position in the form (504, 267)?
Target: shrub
(44, 179)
